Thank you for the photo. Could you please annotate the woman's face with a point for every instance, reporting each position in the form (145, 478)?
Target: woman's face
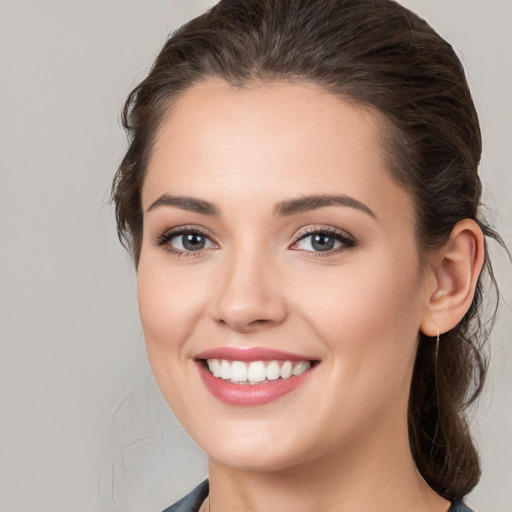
(275, 242)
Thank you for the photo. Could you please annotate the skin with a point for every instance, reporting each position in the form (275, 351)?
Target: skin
(338, 442)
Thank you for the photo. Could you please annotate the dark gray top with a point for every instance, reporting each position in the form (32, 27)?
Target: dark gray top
(193, 501)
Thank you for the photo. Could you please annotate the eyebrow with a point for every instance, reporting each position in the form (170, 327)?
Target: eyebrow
(308, 203)
(186, 203)
(282, 209)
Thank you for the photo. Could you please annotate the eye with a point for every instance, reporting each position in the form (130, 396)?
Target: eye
(323, 240)
(190, 242)
(183, 241)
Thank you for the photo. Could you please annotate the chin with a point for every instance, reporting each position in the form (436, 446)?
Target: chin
(244, 453)
(250, 461)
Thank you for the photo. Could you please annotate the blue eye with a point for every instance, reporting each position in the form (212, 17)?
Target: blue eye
(323, 241)
(190, 242)
(183, 241)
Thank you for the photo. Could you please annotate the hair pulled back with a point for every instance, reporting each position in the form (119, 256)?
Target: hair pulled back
(378, 54)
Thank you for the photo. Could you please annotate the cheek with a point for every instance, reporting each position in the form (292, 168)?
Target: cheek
(170, 303)
(368, 317)
(169, 306)
(372, 353)
(364, 295)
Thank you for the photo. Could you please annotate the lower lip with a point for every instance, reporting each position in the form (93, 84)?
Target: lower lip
(247, 394)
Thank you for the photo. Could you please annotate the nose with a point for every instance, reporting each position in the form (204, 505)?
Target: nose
(248, 295)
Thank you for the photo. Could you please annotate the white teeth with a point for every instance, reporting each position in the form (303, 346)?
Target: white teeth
(216, 368)
(301, 367)
(225, 369)
(238, 371)
(273, 370)
(286, 370)
(256, 371)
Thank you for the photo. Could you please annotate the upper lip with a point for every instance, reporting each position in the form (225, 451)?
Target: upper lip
(250, 354)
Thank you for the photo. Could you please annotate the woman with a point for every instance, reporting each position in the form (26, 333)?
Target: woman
(301, 200)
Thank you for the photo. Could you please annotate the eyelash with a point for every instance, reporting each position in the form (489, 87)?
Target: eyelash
(164, 239)
(346, 240)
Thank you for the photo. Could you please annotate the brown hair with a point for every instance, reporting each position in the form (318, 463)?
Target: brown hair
(378, 54)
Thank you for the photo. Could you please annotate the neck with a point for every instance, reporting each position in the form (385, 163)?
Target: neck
(366, 476)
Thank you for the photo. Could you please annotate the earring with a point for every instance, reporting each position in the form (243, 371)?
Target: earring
(436, 384)
(437, 345)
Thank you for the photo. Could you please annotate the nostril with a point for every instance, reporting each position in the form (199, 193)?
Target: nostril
(244, 323)
(262, 322)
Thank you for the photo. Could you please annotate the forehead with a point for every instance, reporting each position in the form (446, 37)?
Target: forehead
(272, 141)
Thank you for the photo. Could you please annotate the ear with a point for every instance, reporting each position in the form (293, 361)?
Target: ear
(455, 270)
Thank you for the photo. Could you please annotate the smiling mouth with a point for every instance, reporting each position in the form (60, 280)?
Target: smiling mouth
(256, 372)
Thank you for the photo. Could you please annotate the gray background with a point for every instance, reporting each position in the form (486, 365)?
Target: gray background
(82, 425)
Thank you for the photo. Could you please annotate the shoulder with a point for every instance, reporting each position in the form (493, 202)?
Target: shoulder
(459, 507)
(192, 501)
